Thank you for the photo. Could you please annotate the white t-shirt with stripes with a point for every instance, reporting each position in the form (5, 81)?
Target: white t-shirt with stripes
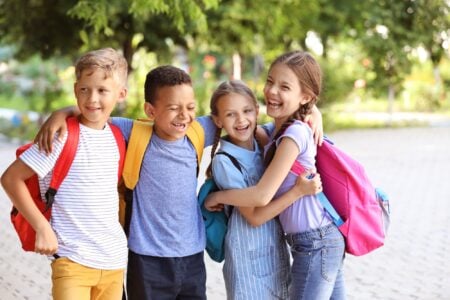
(85, 210)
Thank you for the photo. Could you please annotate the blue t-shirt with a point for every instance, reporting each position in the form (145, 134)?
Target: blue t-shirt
(306, 213)
(166, 219)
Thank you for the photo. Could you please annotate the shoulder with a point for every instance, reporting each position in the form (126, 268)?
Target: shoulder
(124, 125)
(297, 130)
(209, 129)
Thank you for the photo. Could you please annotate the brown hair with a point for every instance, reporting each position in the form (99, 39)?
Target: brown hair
(109, 60)
(163, 76)
(226, 88)
(309, 76)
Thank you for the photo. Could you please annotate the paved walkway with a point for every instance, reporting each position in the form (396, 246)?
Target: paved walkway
(413, 167)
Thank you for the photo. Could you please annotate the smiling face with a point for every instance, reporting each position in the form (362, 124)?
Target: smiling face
(173, 111)
(97, 95)
(283, 93)
(237, 114)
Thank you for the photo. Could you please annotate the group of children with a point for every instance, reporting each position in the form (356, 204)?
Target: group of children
(166, 238)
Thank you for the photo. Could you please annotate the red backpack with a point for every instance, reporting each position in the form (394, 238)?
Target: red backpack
(26, 233)
(360, 211)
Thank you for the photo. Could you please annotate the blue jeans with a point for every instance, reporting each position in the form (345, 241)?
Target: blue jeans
(318, 262)
(166, 278)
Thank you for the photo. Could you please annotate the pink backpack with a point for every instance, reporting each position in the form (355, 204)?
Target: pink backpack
(360, 211)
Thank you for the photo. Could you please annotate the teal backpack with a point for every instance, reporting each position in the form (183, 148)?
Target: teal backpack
(216, 222)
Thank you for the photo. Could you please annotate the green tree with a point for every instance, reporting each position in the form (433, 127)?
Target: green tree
(388, 39)
(57, 28)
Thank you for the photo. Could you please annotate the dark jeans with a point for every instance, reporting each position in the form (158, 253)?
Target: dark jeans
(166, 278)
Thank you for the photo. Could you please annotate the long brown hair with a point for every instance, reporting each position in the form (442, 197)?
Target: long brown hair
(309, 76)
(226, 88)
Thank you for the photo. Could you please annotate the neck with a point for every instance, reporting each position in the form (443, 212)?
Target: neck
(279, 122)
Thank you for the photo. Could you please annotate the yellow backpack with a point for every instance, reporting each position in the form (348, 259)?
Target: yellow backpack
(140, 136)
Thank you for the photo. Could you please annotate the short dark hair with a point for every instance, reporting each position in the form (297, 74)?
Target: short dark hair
(163, 76)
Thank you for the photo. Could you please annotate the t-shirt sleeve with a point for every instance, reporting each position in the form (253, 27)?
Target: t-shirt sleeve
(40, 162)
(268, 128)
(226, 175)
(300, 133)
(124, 125)
(210, 129)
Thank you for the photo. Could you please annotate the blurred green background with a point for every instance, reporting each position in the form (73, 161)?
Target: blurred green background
(381, 58)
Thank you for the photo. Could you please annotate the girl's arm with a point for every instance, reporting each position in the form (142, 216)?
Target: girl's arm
(257, 216)
(55, 123)
(13, 182)
(261, 193)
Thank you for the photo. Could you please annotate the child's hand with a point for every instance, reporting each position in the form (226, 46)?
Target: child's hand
(308, 184)
(212, 205)
(55, 123)
(46, 241)
(314, 121)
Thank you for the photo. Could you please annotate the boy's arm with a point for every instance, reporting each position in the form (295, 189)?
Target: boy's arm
(56, 122)
(13, 182)
(257, 216)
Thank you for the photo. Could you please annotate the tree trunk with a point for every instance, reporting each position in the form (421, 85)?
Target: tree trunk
(391, 97)
(237, 69)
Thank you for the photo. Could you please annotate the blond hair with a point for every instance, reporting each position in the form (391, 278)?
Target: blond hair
(109, 60)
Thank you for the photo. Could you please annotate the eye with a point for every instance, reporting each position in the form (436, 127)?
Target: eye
(248, 110)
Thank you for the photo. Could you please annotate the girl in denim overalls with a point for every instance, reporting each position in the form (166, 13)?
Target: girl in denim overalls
(292, 88)
(256, 257)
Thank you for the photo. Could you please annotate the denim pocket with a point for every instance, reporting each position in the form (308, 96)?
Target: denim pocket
(263, 261)
(332, 256)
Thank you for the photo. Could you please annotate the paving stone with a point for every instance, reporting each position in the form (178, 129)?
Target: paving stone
(412, 165)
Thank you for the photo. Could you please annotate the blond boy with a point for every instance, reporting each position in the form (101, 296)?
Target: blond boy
(84, 235)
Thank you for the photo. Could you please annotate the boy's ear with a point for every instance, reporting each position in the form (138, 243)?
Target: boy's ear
(216, 121)
(149, 110)
(122, 95)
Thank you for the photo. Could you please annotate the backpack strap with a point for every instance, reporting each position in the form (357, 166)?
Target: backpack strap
(64, 160)
(196, 134)
(232, 158)
(140, 136)
(298, 169)
(120, 140)
(137, 144)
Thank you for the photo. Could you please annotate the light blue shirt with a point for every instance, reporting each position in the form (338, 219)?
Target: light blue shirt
(256, 258)
(166, 219)
(307, 213)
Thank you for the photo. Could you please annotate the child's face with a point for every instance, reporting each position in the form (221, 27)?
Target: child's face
(97, 96)
(173, 111)
(283, 93)
(237, 115)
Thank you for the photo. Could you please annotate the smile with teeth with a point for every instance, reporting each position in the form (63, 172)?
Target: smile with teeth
(242, 128)
(274, 104)
(180, 126)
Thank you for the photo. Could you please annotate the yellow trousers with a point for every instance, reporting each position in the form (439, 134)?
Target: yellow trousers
(72, 281)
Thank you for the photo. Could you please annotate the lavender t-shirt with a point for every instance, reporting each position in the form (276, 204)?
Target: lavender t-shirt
(306, 213)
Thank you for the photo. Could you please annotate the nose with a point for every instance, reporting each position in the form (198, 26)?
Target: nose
(183, 113)
(93, 96)
(271, 89)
